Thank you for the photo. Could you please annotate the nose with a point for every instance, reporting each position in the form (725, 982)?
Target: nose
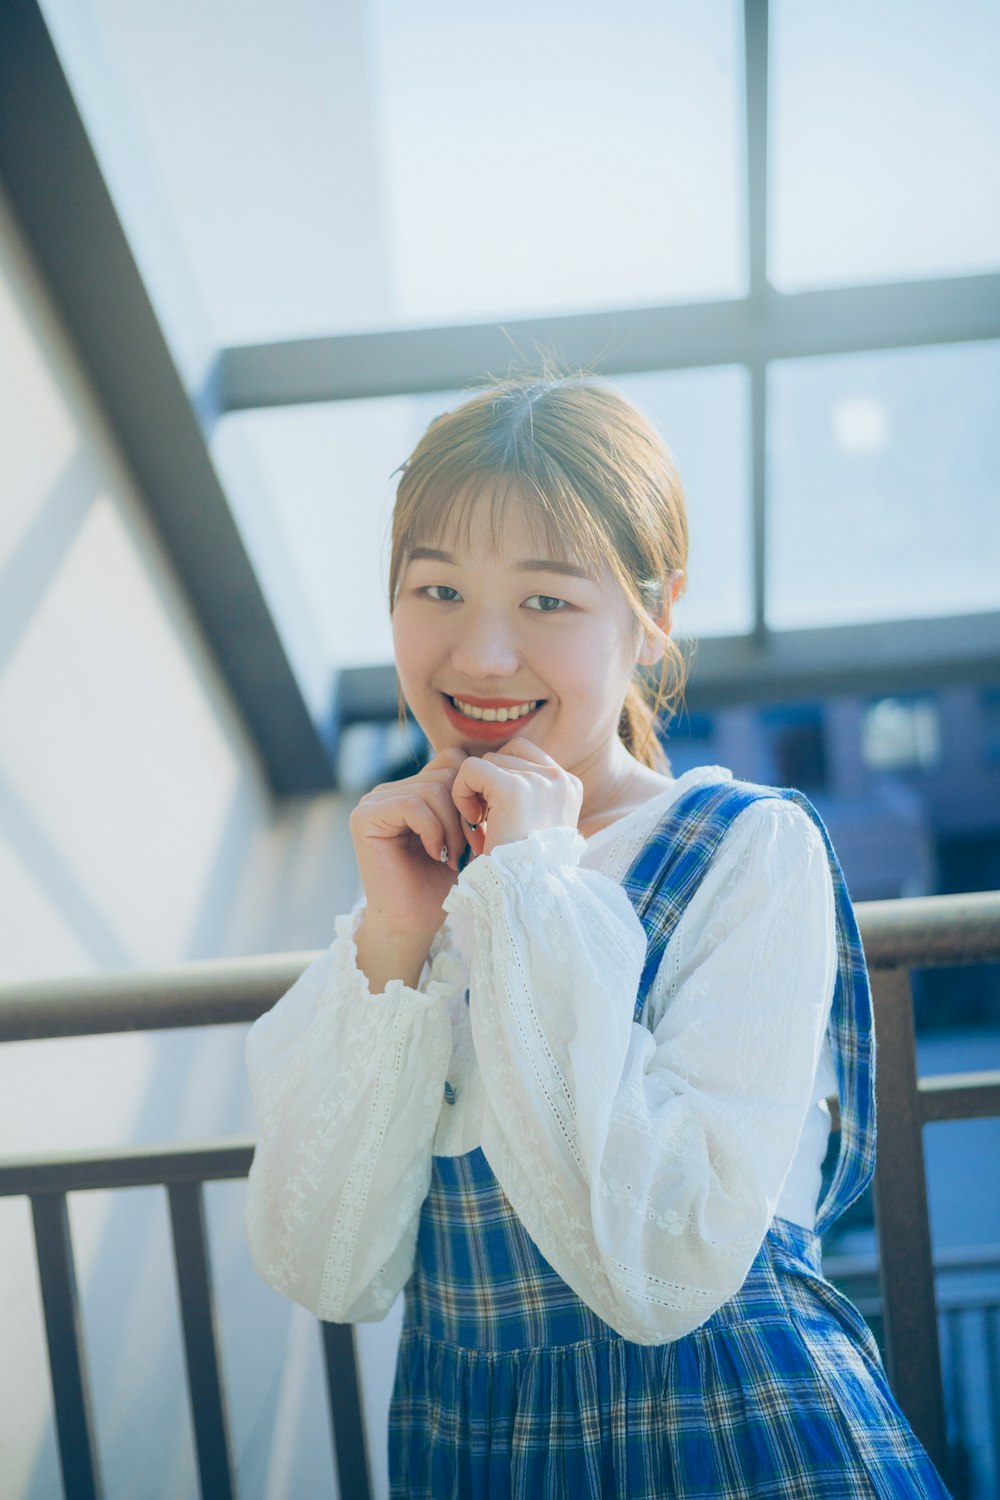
(486, 647)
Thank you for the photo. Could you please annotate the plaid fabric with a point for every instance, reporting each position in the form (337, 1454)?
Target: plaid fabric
(509, 1386)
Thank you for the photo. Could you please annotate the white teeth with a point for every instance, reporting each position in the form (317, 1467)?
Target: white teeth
(495, 715)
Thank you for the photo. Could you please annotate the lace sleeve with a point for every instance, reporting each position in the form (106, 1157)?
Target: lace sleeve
(646, 1161)
(347, 1089)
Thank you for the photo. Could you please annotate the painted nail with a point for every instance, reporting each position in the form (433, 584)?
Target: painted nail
(443, 856)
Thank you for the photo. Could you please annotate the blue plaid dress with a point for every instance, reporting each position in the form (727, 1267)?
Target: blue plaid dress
(508, 1385)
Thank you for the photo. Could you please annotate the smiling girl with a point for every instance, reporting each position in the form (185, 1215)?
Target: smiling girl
(571, 1100)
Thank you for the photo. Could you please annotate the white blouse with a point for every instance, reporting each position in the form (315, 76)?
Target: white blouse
(645, 1160)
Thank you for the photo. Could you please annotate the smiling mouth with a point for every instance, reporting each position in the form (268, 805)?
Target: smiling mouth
(491, 722)
(501, 713)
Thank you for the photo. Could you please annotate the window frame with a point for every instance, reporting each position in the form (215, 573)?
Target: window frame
(293, 703)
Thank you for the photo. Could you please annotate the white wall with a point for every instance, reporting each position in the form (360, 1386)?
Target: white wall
(136, 829)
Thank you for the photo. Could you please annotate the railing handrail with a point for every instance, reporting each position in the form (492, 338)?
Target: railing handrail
(912, 932)
(931, 931)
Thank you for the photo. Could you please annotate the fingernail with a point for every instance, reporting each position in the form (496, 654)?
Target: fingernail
(443, 856)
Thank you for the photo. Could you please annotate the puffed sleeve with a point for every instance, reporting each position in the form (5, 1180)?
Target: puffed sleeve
(347, 1089)
(645, 1161)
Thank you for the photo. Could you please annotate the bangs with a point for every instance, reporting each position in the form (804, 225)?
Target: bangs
(445, 507)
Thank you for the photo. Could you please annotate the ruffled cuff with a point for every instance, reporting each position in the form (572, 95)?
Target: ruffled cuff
(438, 984)
(522, 860)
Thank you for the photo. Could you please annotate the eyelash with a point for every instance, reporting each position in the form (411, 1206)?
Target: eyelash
(564, 604)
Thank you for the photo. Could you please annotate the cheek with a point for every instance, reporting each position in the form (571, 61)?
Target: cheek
(600, 667)
(409, 648)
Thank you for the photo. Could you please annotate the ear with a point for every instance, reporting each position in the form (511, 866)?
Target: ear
(651, 648)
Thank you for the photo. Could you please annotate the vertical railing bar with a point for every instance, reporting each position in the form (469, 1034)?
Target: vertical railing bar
(906, 1266)
(340, 1358)
(201, 1342)
(993, 1376)
(67, 1353)
(956, 1371)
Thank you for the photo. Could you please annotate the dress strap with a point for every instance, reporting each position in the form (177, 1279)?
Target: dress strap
(664, 877)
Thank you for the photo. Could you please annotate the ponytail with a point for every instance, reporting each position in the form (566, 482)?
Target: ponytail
(646, 708)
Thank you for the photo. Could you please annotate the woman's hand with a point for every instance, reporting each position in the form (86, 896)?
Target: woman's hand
(511, 792)
(399, 830)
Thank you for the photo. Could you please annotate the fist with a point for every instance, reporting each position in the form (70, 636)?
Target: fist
(506, 794)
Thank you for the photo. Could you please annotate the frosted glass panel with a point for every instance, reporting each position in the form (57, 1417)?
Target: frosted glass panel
(380, 163)
(559, 156)
(884, 486)
(327, 477)
(327, 473)
(704, 417)
(885, 136)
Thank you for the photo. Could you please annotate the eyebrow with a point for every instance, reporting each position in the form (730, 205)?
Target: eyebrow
(529, 565)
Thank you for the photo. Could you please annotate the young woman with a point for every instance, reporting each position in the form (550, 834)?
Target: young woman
(562, 1075)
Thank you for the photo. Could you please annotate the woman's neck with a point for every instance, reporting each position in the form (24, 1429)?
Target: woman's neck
(626, 786)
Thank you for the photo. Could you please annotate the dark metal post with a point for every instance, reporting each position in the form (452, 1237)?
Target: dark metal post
(67, 1354)
(346, 1418)
(201, 1342)
(906, 1266)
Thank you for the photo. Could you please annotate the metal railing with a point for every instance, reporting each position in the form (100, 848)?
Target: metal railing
(925, 932)
(967, 1283)
(898, 936)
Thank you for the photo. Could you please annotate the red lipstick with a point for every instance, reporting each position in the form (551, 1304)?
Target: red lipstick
(488, 730)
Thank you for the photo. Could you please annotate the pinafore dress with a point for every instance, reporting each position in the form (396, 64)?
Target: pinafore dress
(508, 1387)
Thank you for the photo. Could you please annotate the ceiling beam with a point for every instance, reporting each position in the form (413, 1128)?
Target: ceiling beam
(59, 197)
(844, 320)
(878, 659)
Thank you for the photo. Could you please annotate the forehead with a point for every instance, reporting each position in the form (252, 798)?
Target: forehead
(495, 521)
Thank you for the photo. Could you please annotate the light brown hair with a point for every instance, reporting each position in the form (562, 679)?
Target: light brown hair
(598, 481)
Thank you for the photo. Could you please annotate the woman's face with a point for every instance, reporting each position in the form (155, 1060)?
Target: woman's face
(492, 643)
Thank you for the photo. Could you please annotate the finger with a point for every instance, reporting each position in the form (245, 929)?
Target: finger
(440, 798)
(523, 749)
(480, 817)
(476, 838)
(472, 788)
(447, 760)
(413, 812)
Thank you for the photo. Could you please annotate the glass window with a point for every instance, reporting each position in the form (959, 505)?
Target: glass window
(561, 156)
(325, 476)
(376, 163)
(795, 735)
(901, 734)
(316, 484)
(883, 487)
(884, 136)
(704, 415)
(990, 708)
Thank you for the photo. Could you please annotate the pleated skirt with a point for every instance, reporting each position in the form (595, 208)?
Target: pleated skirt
(780, 1394)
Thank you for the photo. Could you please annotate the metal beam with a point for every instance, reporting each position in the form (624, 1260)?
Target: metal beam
(755, 49)
(779, 326)
(78, 1454)
(899, 1194)
(890, 656)
(58, 195)
(44, 1177)
(203, 1359)
(343, 1385)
